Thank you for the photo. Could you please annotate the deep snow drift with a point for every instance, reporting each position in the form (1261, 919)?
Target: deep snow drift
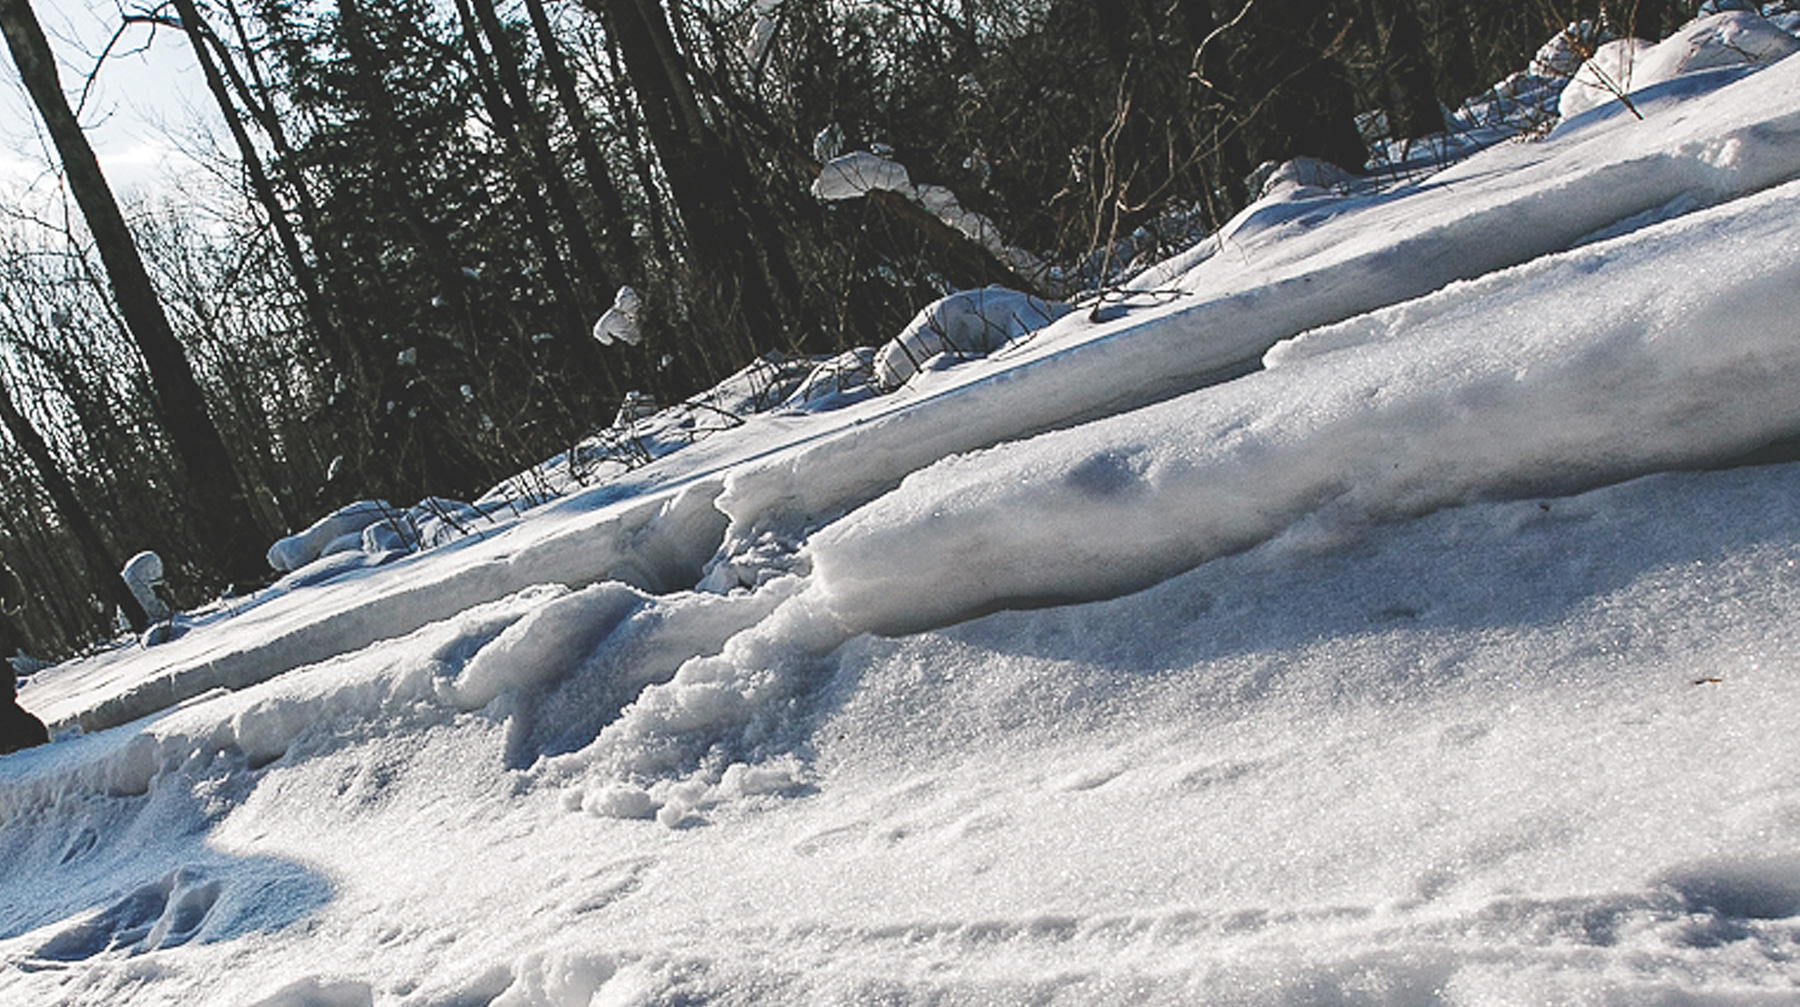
(1368, 606)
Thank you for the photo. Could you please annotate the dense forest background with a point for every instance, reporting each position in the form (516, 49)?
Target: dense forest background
(423, 206)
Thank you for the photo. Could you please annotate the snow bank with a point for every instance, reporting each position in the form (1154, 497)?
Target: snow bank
(1730, 39)
(1465, 764)
(1530, 749)
(1402, 411)
(1287, 265)
(1303, 258)
(835, 382)
(658, 542)
(1611, 75)
(719, 727)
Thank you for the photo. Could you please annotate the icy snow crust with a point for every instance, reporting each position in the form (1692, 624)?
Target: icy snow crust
(1403, 670)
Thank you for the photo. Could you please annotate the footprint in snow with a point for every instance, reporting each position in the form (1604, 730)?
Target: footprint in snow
(162, 914)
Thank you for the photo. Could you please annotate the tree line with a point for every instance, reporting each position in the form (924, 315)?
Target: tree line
(418, 208)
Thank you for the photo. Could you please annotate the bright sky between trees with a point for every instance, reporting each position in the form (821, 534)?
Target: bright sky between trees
(140, 110)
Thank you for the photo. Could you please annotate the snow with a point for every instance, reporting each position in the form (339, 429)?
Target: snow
(1732, 39)
(854, 175)
(620, 322)
(964, 324)
(141, 574)
(1371, 605)
(858, 174)
(336, 532)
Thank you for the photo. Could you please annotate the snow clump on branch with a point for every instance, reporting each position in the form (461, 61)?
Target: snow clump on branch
(621, 320)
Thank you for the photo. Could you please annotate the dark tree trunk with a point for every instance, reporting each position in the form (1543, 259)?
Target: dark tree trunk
(537, 143)
(203, 41)
(1294, 95)
(367, 61)
(1214, 89)
(660, 228)
(1451, 36)
(587, 146)
(1408, 82)
(707, 177)
(507, 123)
(217, 494)
(68, 506)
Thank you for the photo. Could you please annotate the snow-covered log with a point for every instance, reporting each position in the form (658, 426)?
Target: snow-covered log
(142, 573)
(335, 532)
(971, 323)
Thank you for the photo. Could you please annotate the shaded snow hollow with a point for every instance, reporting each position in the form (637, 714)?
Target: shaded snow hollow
(1353, 611)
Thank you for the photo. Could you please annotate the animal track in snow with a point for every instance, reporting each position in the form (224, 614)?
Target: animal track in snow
(163, 914)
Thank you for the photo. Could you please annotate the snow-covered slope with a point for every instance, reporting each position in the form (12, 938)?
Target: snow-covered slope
(1440, 661)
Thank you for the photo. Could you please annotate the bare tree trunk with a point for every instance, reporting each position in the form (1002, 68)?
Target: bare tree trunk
(661, 231)
(367, 63)
(69, 508)
(202, 39)
(537, 144)
(537, 215)
(587, 145)
(1398, 39)
(217, 494)
(707, 177)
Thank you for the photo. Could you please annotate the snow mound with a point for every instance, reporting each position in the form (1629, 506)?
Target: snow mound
(971, 323)
(1733, 38)
(1561, 56)
(338, 531)
(620, 322)
(142, 574)
(1350, 426)
(1298, 177)
(859, 173)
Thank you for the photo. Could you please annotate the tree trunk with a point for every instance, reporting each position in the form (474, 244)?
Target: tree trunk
(1294, 95)
(537, 143)
(506, 123)
(69, 508)
(1213, 90)
(587, 146)
(661, 230)
(1410, 89)
(217, 495)
(201, 38)
(707, 177)
(367, 62)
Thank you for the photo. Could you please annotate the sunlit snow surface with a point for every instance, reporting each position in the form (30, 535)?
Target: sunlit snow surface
(1439, 662)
